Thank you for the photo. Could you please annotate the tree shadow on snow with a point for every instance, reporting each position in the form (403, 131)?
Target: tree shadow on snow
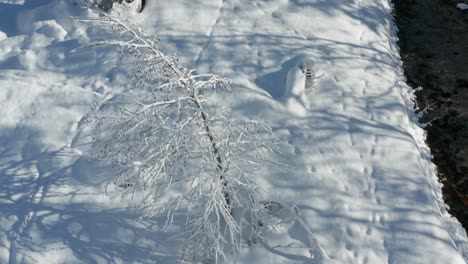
(49, 217)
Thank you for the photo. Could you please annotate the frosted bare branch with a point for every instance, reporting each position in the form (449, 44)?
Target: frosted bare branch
(179, 153)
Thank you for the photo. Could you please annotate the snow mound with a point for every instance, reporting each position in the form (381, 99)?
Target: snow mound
(295, 92)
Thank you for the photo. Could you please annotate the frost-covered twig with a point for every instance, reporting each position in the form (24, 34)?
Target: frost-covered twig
(178, 154)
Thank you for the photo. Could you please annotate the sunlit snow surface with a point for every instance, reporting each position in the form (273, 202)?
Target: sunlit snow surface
(359, 170)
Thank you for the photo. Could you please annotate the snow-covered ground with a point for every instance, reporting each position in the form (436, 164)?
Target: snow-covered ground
(359, 170)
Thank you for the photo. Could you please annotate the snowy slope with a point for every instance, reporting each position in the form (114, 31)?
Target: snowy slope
(359, 170)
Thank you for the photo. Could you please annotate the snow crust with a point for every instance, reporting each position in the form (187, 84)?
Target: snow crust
(360, 173)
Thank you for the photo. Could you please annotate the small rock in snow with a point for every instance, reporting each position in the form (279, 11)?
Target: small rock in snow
(462, 6)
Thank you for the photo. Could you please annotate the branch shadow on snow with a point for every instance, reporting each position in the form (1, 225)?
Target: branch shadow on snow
(403, 207)
(43, 208)
(283, 53)
(9, 14)
(390, 211)
(49, 217)
(346, 229)
(368, 14)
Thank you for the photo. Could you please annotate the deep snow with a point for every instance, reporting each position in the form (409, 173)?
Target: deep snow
(360, 172)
